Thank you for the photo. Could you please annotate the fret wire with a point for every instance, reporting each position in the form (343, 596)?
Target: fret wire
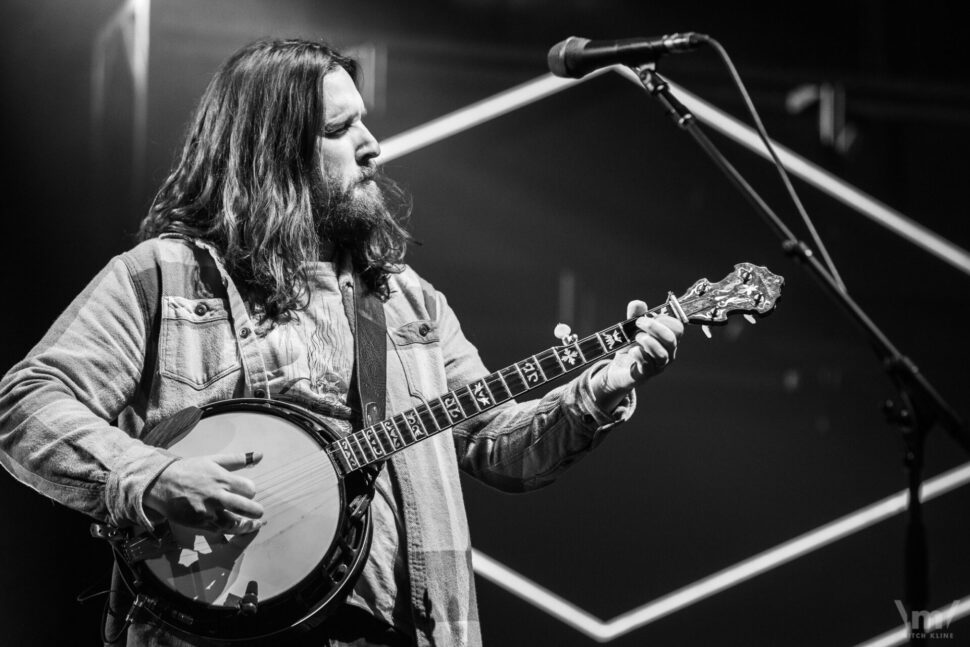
(506, 385)
(491, 388)
(391, 445)
(599, 338)
(491, 393)
(539, 366)
(465, 393)
(461, 408)
(556, 355)
(488, 395)
(594, 348)
(434, 416)
(497, 382)
(386, 440)
(525, 382)
(513, 376)
(416, 421)
(452, 419)
(375, 433)
(354, 458)
(368, 443)
(444, 408)
(471, 396)
(474, 397)
(363, 454)
(375, 441)
(350, 462)
(368, 448)
(397, 428)
(425, 408)
(623, 332)
(357, 452)
(582, 355)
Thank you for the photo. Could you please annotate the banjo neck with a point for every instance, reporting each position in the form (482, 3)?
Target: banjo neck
(750, 290)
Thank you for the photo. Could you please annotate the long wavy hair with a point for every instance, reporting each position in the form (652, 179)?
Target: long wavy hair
(248, 179)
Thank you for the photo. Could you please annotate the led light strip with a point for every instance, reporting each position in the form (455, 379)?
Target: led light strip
(939, 621)
(819, 178)
(544, 86)
(809, 542)
(475, 114)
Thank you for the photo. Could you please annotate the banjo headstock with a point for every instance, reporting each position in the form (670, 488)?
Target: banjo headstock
(749, 289)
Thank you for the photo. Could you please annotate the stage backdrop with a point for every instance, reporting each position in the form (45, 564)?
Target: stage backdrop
(565, 210)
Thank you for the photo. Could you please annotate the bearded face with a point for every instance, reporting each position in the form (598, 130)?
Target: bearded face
(349, 218)
(352, 204)
(241, 182)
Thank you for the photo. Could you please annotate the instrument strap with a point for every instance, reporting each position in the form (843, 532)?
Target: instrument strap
(370, 353)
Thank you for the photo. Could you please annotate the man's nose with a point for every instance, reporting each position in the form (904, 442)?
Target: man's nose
(369, 147)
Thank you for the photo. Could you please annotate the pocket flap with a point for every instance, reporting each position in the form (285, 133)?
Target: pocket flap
(193, 310)
(421, 331)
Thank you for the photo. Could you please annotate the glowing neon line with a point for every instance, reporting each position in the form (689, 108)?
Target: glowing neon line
(536, 595)
(802, 545)
(475, 114)
(544, 86)
(939, 619)
(821, 179)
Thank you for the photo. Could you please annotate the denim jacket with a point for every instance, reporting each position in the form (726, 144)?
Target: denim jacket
(163, 327)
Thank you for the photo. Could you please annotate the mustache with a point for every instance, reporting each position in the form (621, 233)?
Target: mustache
(368, 172)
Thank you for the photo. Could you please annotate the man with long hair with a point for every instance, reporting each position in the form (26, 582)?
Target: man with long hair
(273, 231)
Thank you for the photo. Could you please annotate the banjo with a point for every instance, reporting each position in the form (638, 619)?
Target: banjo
(316, 484)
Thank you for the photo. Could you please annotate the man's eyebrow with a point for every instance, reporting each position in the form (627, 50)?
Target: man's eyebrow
(346, 115)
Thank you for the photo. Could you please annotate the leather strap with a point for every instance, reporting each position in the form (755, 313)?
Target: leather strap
(370, 353)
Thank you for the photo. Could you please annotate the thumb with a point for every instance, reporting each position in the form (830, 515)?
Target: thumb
(636, 307)
(619, 373)
(234, 462)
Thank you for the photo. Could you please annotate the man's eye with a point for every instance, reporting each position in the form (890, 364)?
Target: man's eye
(337, 132)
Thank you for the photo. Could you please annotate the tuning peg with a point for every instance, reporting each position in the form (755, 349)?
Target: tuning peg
(706, 330)
(564, 334)
(750, 318)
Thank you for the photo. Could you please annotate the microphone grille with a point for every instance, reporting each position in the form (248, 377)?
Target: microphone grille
(561, 52)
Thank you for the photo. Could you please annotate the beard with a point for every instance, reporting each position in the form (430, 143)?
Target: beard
(348, 217)
(364, 220)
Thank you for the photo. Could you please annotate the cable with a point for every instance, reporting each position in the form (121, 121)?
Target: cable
(763, 134)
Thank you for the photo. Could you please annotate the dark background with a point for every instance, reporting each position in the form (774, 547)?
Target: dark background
(755, 437)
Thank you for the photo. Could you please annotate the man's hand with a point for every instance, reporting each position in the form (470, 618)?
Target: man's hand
(203, 492)
(655, 348)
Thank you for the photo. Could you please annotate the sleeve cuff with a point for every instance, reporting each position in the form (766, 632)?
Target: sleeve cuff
(125, 489)
(592, 414)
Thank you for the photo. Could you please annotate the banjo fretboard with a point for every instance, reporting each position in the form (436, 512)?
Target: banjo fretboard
(750, 289)
(375, 443)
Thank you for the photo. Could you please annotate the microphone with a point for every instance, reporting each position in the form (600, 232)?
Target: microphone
(576, 57)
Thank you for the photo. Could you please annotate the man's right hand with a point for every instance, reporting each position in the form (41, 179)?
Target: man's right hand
(203, 492)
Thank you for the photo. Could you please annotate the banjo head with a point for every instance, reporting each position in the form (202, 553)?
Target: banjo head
(304, 558)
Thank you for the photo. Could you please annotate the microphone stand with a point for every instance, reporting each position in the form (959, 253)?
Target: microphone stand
(917, 406)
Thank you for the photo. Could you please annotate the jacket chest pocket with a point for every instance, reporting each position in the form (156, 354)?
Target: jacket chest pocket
(197, 346)
(415, 365)
(416, 332)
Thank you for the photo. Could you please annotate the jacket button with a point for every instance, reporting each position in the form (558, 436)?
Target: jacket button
(259, 393)
(424, 329)
(244, 333)
(200, 309)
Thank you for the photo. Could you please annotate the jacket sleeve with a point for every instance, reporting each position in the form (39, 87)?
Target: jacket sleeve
(520, 446)
(56, 405)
